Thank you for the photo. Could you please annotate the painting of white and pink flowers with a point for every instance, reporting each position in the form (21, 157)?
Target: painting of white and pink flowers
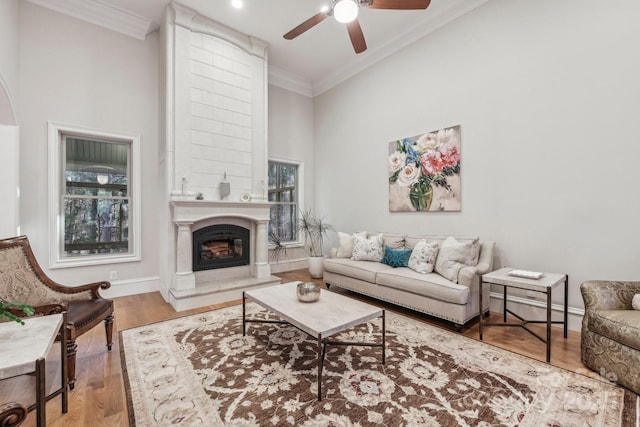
(424, 172)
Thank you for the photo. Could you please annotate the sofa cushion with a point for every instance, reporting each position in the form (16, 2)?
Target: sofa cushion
(454, 255)
(396, 241)
(430, 285)
(345, 244)
(622, 326)
(367, 249)
(396, 257)
(363, 270)
(423, 256)
(412, 240)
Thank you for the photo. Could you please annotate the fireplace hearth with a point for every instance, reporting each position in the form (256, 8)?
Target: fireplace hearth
(220, 246)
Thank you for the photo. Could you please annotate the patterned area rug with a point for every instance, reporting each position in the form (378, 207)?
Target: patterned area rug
(200, 370)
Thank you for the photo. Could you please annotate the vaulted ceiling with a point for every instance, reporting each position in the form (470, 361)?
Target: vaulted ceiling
(311, 63)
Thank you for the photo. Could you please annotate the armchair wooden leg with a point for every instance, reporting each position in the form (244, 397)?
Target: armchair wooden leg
(72, 348)
(108, 327)
(12, 414)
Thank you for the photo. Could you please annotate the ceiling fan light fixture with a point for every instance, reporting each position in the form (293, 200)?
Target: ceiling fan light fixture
(345, 11)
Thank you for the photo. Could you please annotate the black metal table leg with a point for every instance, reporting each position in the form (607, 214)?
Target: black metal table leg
(244, 316)
(481, 308)
(319, 367)
(504, 309)
(383, 336)
(566, 304)
(548, 325)
(41, 398)
(63, 363)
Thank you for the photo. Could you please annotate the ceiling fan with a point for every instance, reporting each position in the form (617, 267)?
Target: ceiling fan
(346, 12)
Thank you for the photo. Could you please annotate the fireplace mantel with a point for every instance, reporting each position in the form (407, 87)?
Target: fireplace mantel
(198, 210)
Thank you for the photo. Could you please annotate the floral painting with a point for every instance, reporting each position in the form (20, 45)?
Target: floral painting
(424, 172)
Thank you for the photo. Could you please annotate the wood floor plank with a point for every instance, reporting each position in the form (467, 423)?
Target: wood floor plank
(99, 396)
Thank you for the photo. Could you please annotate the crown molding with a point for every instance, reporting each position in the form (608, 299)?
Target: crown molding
(286, 80)
(412, 34)
(102, 14)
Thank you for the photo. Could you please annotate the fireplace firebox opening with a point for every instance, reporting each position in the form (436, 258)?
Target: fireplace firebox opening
(220, 246)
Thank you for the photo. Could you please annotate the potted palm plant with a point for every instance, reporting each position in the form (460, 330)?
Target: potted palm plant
(314, 229)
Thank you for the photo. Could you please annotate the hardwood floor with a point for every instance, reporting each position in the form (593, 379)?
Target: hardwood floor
(99, 397)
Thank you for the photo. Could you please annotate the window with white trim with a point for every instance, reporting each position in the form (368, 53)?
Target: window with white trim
(283, 184)
(94, 196)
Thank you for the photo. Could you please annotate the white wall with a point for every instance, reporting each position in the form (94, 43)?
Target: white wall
(76, 73)
(548, 97)
(291, 132)
(10, 212)
(9, 144)
(291, 138)
(9, 51)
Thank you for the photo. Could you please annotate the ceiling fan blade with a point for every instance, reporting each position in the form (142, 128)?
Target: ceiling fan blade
(306, 25)
(399, 4)
(356, 36)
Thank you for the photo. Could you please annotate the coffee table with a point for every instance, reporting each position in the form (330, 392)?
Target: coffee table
(331, 314)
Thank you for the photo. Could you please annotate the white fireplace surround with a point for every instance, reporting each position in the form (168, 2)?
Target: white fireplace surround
(191, 215)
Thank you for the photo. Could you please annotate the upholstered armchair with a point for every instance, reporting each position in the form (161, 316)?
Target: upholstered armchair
(611, 331)
(22, 280)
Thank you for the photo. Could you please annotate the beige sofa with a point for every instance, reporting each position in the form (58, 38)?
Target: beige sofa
(429, 293)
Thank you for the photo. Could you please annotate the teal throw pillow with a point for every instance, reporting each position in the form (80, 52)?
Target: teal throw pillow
(396, 257)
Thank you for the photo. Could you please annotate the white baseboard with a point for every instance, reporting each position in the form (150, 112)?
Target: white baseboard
(289, 265)
(532, 309)
(122, 288)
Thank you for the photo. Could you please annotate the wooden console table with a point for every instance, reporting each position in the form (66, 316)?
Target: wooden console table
(24, 349)
(544, 285)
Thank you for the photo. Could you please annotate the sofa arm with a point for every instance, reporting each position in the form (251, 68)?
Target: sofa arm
(608, 295)
(467, 274)
(485, 263)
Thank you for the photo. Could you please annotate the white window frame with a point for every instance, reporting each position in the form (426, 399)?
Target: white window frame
(300, 191)
(56, 131)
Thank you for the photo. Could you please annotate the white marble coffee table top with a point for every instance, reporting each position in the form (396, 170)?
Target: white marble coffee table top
(331, 314)
(22, 345)
(502, 277)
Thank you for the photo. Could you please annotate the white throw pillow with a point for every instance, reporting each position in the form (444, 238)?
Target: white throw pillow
(423, 257)
(454, 255)
(395, 241)
(635, 302)
(345, 248)
(368, 249)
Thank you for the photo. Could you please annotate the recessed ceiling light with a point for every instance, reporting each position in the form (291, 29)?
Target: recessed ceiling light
(237, 4)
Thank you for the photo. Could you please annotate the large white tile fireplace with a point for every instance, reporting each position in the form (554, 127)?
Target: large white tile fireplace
(215, 93)
(197, 288)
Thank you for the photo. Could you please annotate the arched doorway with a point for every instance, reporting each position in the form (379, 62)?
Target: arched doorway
(9, 175)
(7, 113)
